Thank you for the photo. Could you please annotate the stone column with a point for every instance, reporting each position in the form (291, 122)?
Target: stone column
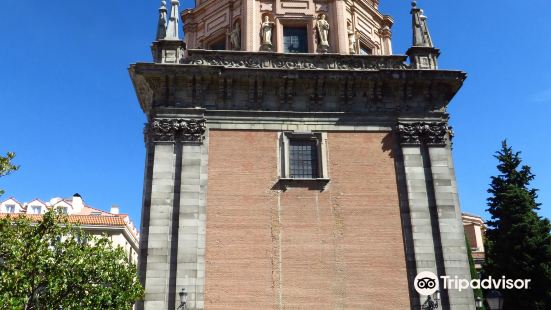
(451, 228)
(156, 214)
(192, 223)
(387, 42)
(423, 256)
(173, 217)
(250, 29)
(437, 231)
(338, 35)
(311, 28)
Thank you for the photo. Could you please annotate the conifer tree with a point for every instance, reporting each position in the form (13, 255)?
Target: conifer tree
(518, 243)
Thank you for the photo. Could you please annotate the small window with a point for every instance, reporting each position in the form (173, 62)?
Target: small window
(10, 208)
(218, 45)
(364, 50)
(36, 209)
(63, 210)
(303, 156)
(295, 40)
(303, 159)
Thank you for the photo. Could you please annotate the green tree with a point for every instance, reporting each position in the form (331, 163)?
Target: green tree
(474, 274)
(52, 264)
(6, 166)
(518, 241)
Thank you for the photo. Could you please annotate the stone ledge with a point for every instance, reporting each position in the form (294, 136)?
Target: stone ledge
(313, 184)
(271, 60)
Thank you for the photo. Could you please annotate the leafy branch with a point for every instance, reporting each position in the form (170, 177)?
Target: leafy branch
(6, 166)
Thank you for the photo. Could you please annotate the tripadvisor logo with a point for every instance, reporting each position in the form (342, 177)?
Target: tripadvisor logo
(426, 283)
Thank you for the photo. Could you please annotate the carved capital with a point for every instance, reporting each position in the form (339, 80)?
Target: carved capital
(175, 130)
(430, 133)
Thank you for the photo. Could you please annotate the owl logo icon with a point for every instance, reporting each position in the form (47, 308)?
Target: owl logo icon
(426, 283)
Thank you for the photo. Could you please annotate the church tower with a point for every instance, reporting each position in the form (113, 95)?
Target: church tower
(294, 162)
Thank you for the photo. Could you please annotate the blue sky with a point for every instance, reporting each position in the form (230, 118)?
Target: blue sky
(70, 113)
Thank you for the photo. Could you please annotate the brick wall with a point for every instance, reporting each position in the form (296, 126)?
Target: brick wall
(471, 235)
(298, 249)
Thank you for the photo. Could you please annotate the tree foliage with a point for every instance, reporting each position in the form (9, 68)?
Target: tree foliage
(474, 274)
(6, 166)
(518, 243)
(52, 264)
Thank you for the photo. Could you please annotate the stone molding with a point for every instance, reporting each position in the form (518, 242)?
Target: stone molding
(249, 60)
(430, 133)
(175, 130)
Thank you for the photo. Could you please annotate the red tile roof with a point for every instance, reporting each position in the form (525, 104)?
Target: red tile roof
(85, 216)
(102, 220)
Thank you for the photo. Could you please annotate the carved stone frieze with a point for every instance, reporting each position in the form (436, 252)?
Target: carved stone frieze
(175, 130)
(430, 133)
(293, 61)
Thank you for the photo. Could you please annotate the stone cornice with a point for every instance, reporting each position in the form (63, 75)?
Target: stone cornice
(175, 130)
(429, 133)
(245, 81)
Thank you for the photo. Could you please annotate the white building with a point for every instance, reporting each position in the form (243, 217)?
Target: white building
(118, 227)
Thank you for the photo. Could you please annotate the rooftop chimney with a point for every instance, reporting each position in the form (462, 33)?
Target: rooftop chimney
(114, 209)
(78, 203)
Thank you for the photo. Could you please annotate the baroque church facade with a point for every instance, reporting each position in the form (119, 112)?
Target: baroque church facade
(293, 161)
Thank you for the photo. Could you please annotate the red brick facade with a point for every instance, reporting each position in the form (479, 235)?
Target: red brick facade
(300, 248)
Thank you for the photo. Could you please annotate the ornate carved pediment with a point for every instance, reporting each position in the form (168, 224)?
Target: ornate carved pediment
(430, 133)
(175, 130)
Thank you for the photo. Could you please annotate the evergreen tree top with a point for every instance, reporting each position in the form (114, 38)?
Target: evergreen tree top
(518, 241)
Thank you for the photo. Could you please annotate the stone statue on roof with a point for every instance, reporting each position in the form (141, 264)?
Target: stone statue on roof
(161, 26)
(421, 35)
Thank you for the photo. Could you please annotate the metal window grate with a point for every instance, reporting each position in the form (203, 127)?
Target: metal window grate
(303, 159)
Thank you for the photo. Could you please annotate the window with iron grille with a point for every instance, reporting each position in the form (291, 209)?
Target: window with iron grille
(303, 159)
